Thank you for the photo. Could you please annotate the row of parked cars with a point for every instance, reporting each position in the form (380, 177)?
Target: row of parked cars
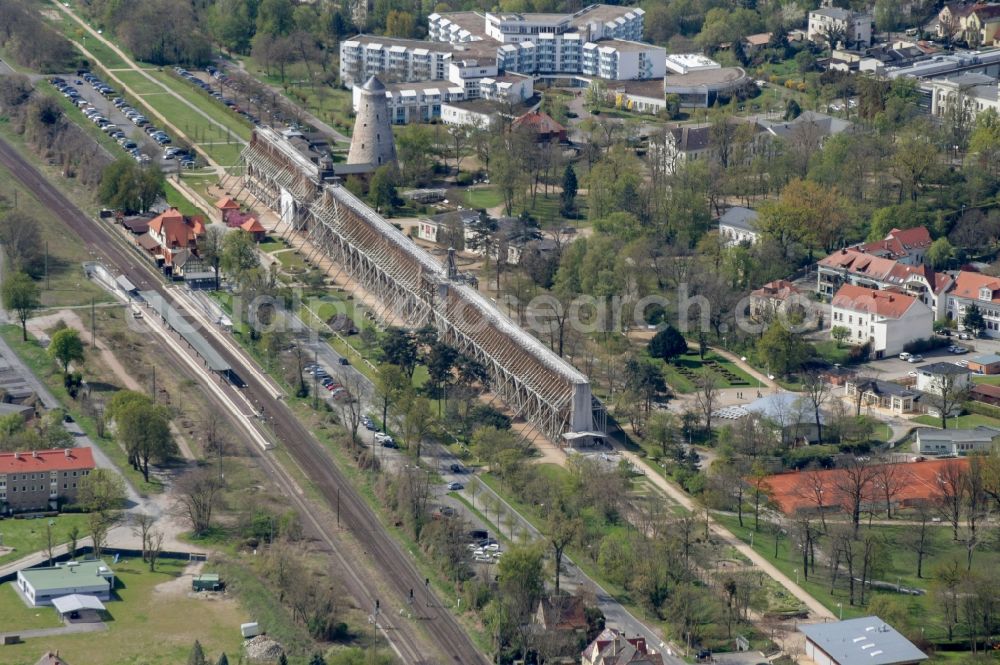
(337, 390)
(222, 78)
(94, 115)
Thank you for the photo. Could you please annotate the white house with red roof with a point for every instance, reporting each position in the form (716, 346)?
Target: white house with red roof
(906, 246)
(857, 268)
(172, 241)
(886, 319)
(974, 288)
(42, 479)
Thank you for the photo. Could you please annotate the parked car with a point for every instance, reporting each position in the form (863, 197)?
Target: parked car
(905, 356)
(455, 486)
(916, 359)
(456, 468)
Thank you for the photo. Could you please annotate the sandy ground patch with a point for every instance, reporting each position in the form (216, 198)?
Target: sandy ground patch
(181, 585)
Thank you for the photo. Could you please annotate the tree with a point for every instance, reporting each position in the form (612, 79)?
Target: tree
(561, 531)
(940, 253)
(817, 392)
(239, 254)
(382, 190)
(398, 347)
(66, 347)
(522, 579)
(391, 384)
(949, 494)
(784, 351)
(102, 493)
(211, 246)
(706, 397)
(946, 393)
(840, 334)
(917, 538)
(973, 321)
(21, 237)
(144, 432)
(198, 493)
(569, 189)
(224, 659)
(131, 187)
(793, 221)
(416, 423)
(667, 344)
(21, 295)
(197, 656)
(854, 485)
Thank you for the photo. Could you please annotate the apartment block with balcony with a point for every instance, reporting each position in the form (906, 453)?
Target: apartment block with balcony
(42, 479)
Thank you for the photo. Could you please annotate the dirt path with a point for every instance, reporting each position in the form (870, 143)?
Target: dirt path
(38, 325)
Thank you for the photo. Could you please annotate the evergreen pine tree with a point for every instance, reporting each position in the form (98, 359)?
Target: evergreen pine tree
(317, 659)
(223, 659)
(569, 188)
(197, 656)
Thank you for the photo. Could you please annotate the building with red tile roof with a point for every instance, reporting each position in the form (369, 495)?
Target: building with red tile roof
(907, 246)
(171, 235)
(224, 205)
(254, 228)
(885, 319)
(855, 267)
(545, 128)
(611, 647)
(797, 491)
(983, 291)
(774, 298)
(42, 479)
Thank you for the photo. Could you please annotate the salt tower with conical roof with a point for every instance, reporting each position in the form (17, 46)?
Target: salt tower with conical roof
(372, 141)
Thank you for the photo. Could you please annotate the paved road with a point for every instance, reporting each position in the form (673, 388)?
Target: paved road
(439, 458)
(5, 69)
(397, 573)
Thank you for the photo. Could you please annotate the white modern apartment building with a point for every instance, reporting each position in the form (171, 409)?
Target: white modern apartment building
(856, 27)
(424, 101)
(393, 60)
(599, 40)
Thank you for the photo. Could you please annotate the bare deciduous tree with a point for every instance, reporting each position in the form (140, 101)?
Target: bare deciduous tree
(198, 493)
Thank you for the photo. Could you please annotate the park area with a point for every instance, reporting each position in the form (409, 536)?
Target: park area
(683, 374)
(152, 619)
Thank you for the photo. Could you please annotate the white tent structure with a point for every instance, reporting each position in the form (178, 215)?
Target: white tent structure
(76, 602)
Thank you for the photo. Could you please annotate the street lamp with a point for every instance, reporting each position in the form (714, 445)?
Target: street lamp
(796, 575)
(841, 606)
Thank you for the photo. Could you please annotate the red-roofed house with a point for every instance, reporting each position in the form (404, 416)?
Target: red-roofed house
(225, 205)
(172, 240)
(907, 246)
(774, 298)
(854, 267)
(545, 128)
(983, 291)
(887, 320)
(613, 648)
(42, 479)
(254, 228)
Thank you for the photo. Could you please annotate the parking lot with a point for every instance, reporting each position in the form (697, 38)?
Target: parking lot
(92, 103)
(894, 368)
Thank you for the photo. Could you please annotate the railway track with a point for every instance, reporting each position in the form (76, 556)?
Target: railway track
(450, 643)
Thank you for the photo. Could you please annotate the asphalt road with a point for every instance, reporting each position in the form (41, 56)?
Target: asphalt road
(398, 572)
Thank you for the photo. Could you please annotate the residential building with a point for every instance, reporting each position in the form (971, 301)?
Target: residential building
(640, 96)
(415, 102)
(907, 246)
(892, 397)
(935, 378)
(738, 225)
(688, 143)
(810, 128)
(887, 321)
(933, 441)
(988, 363)
(620, 60)
(42, 479)
(779, 297)
(862, 641)
(611, 647)
(172, 243)
(40, 586)
(754, 43)
(562, 613)
(970, 92)
(855, 27)
(542, 125)
(454, 228)
(394, 59)
(975, 23)
(983, 291)
(854, 267)
(479, 113)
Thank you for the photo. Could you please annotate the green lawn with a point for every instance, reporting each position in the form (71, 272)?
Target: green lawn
(202, 100)
(29, 536)
(147, 624)
(961, 422)
(138, 82)
(987, 379)
(832, 352)
(477, 197)
(16, 615)
(899, 566)
(108, 58)
(178, 200)
(681, 374)
(194, 125)
(225, 154)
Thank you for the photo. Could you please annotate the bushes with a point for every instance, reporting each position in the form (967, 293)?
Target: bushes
(928, 344)
(982, 409)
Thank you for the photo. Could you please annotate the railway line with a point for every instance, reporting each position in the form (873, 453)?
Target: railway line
(442, 639)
